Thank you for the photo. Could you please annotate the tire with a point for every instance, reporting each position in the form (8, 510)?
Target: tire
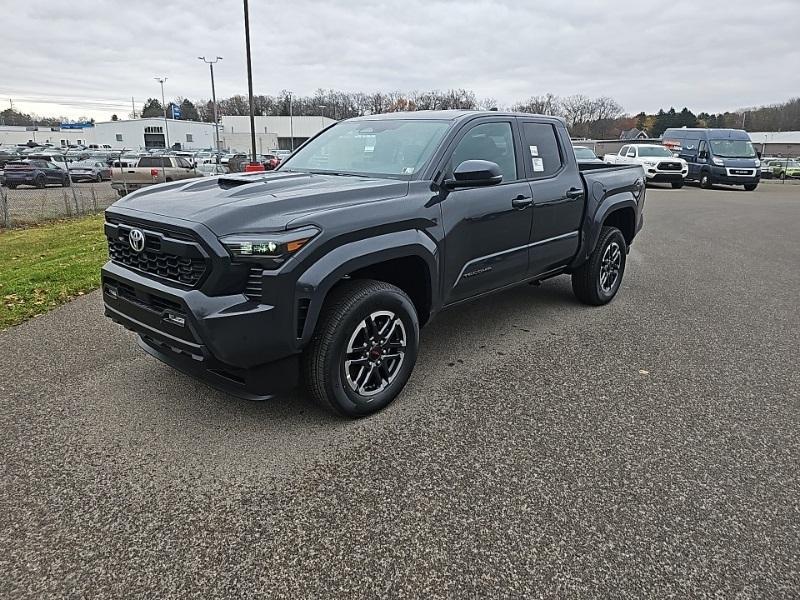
(750, 187)
(705, 180)
(587, 281)
(12, 186)
(343, 325)
(783, 176)
(67, 182)
(40, 182)
(99, 178)
(676, 185)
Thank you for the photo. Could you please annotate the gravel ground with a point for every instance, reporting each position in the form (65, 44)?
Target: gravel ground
(646, 449)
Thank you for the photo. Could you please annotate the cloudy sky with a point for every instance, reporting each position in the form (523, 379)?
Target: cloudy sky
(88, 58)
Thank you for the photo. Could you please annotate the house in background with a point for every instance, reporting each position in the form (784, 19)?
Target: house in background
(634, 134)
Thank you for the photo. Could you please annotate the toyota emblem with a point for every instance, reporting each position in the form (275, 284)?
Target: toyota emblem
(136, 240)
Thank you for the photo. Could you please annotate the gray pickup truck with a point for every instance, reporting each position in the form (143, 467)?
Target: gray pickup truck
(323, 270)
(151, 170)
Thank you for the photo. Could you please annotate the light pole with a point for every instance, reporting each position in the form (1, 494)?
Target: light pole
(291, 123)
(250, 82)
(211, 64)
(161, 80)
(322, 108)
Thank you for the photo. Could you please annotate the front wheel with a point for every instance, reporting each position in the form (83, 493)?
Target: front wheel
(364, 348)
(705, 180)
(40, 182)
(597, 281)
(67, 182)
(676, 185)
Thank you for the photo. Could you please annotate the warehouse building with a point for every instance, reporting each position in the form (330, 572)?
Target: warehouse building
(272, 133)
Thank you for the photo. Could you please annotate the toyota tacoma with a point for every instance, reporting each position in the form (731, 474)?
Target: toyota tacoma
(323, 271)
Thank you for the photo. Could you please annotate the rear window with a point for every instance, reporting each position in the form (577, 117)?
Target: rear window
(155, 161)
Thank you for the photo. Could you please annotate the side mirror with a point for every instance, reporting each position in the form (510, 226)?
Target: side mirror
(475, 173)
(758, 154)
(703, 155)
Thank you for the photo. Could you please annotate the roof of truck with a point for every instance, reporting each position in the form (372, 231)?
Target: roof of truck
(707, 133)
(448, 115)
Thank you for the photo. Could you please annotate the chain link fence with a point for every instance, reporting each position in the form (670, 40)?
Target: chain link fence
(27, 205)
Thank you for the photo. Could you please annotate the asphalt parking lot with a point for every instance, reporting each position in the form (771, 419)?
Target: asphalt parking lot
(647, 449)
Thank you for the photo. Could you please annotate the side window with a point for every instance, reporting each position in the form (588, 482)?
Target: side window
(623, 151)
(542, 149)
(490, 141)
(632, 152)
(701, 148)
(183, 163)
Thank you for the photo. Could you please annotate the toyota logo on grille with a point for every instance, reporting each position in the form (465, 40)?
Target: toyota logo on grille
(136, 240)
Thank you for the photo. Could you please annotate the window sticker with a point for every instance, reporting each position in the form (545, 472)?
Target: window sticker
(538, 165)
(534, 150)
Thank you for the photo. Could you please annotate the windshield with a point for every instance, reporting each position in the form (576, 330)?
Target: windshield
(658, 151)
(733, 148)
(584, 153)
(390, 148)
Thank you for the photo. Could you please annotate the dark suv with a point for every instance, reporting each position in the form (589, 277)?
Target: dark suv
(37, 173)
(325, 269)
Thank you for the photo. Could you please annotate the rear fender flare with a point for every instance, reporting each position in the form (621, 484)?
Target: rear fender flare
(609, 204)
(316, 282)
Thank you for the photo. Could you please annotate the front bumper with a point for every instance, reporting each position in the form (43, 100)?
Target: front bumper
(231, 342)
(729, 176)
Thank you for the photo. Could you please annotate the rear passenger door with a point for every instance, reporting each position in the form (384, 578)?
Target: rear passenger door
(558, 195)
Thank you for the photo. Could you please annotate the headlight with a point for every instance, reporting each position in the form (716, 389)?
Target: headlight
(758, 163)
(718, 161)
(268, 247)
(650, 163)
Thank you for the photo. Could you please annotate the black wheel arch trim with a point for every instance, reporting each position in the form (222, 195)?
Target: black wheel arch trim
(317, 281)
(593, 224)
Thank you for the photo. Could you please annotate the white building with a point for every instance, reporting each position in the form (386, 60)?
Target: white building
(131, 134)
(272, 133)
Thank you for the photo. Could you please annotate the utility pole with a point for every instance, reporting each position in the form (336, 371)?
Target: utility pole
(211, 64)
(250, 82)
(133, 108)
(291, 123)
(161, 80)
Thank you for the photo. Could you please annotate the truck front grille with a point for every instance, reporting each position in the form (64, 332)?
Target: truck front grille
(171, 257)
(669, 166)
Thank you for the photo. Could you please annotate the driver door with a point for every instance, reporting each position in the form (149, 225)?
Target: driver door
(487, 228)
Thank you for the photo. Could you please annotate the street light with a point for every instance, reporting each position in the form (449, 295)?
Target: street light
(322, 108)
(291, 123)
(250, 82)
(211, 64)
(161, 80)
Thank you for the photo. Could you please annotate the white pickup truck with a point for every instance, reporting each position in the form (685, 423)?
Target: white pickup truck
(658, 163)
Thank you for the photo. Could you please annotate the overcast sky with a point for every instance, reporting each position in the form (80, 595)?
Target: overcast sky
(93, 56)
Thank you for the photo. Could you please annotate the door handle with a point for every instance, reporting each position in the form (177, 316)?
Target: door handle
(574, 193)
(521, 202)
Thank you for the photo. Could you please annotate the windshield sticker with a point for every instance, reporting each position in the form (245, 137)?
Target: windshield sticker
(534, 150)
(538, 165)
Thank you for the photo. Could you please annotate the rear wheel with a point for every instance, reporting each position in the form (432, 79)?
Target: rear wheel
(597, 281)
(677, 185)
(705, 180)
(98, 178)
(364, 348)
(40, 182)
(67, 182)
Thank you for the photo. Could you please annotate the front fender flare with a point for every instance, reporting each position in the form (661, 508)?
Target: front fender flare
(316, 282)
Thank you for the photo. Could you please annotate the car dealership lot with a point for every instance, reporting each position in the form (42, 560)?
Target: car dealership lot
(644, 449)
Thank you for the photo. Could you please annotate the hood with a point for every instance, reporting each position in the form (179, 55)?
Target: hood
(739, 163)
(257, 201)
